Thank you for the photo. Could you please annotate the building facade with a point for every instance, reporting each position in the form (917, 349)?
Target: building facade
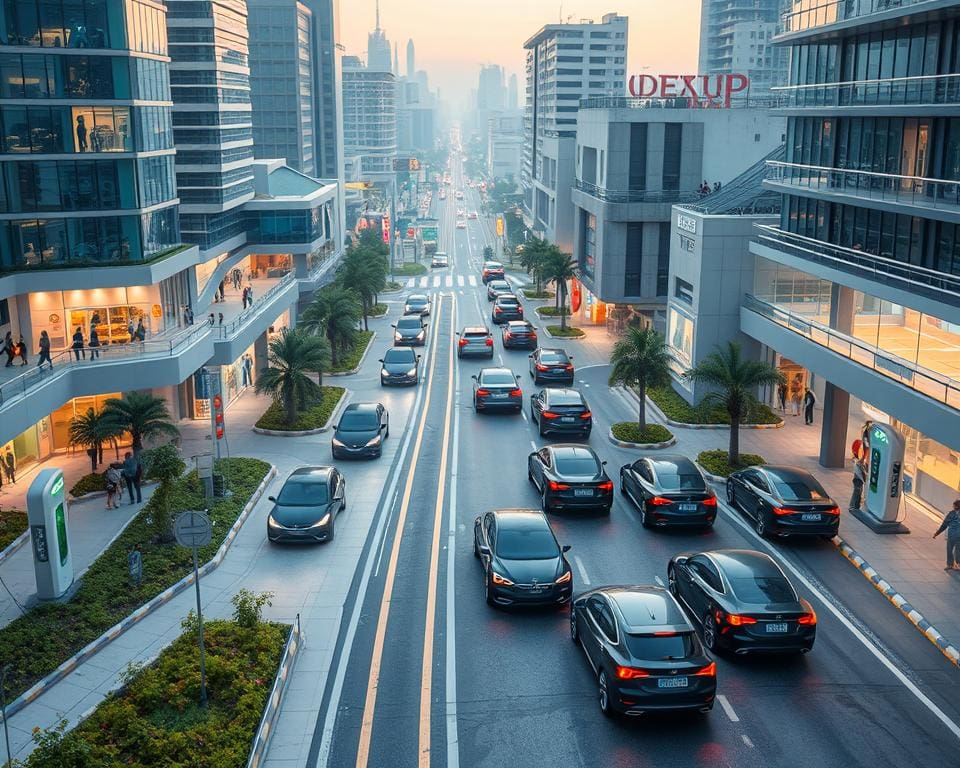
(565, 63)
(505, 146)
(378, 48)
(327, 95)
(369, 116)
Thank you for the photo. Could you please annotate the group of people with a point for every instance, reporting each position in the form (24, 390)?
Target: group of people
(800, 397)
(14, 349)
(129, 474)
(706, 189)
(80, 345)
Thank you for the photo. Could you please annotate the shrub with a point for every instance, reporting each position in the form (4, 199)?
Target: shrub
(13, 522)
(164, 465)
(410, 269)
(314, 417)
(677, 409)
(531, 293)
(565, 333)
(350, 359)
(630, 432)
(715, 462)
(91, 483)
(377, 310)
(248, 607)
(552, 311)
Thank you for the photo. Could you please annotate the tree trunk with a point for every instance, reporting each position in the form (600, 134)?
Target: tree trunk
(333, 350)
(562, 296)
(93, 458)
(733, 453)
(366, 308)
(642, 394)
(289, 406)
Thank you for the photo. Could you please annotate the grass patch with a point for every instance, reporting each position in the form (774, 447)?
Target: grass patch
(38, 642)
(157, 719)
(90, 483)
(531, 294)
(715, 462)
(410, 269)
(13, 522)
(565, 333)
(553, 311)
(377, 310)
(677, 409)
(393, 285)
(314, 417)
(630, 432)
(351, 358)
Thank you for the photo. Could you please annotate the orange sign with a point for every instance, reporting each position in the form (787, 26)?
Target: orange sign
(575, 296)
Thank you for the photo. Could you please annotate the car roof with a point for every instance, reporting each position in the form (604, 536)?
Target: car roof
(498, 282)
(507, 297)
(520, 519)
(492, 264)
(564, 395)
(396, 351)
(496, 369)
(520, 323)
(673, 462)
(362, 407)
(311, 474)
(646, 608)
(744, 563)
(476, 329)
(572, 451)
(547, 350)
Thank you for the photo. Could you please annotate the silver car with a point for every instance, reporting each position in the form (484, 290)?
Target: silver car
(475, 340)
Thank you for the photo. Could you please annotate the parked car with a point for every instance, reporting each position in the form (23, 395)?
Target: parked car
(669, 490)
(496, 288)
(410, 331)
(492, 270)
(475, 340)
(561, 412)
(570, 476)
(506, 307)
(461, 225)
(496, 388)
(399, 365)
(417, 304)
(551, 366)
(361, 431)
(309, 502)
(784, 501)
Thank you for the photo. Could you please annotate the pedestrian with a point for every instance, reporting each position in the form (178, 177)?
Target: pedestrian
(237, 277)
(77, 345)
(112, 478)
(951, 524)
(243, 297)
(859, 476)
(782, 396)
(44, 350)
(716, 186)
(809, 400)
(247, 370)
(221, 290)
(220, 318)
(132, 475)
(131, 329)
(94, 344)
(22, 350)
(10, 465)
(211, 319)
(9, 349)
(250, 294)
(141, 332)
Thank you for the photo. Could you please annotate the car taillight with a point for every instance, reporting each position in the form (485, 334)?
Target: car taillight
(659, 501)
(550, 415)
(542, 367)
(832, 511)
(606, 485)
(555, 486)
(631, 673)
(734, 619)
(568, 367)
(489, 342)
(711, 502)
(708, 671)
(507, 335)
(516, 392)
(808, 619)
(781, 511)
(533, 335)
(463, 342)
(586, 415)
(497, 310)
(483, 392)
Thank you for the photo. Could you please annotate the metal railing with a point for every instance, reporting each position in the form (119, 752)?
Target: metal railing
(934, 385)
(247, 316)
(928, 282)
(635, 195)
(892, 91)
(808, 14)
(891, 187)
(740, 101)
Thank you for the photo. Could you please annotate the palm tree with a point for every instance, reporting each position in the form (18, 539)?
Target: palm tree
(334, 313)
(294, 354)
(92, 430)
(641, 358)
(532, 259)
(558, 267)
(142, 415)
(363, 271)
(735, 379)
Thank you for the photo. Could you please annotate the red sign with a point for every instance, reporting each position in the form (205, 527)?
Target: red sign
(575, 296)
(701, 90)
(385, 228)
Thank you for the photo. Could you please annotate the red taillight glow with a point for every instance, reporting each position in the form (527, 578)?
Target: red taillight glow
(708, 671)
(586, 415)
(832, 511)
(607, 485)
(463, 342)
(808, 619)
(550, 415)
(483, 392)
(516, 393)
(555, 486)
(630, 673)
(568, 367)
(736, 620)
(497, 310)
(489, 342)
(781, 511)
(659, 501)
(711, 502)
(542, 367)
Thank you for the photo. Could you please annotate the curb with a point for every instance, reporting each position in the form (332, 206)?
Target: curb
(95, 646)
(581, 337)
(14, 545)
(261, 739)
(950, 651)
(102, 494)
(656, 409)
(360, 364)
(334, 415)
(711, 477)
(641, 446)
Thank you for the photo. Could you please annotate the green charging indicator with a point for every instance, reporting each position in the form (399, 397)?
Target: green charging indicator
(61, 521)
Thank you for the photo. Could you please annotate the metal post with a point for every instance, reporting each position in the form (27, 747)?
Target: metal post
(203, 666)
(3, 707)
(213, 391)
(393, 224)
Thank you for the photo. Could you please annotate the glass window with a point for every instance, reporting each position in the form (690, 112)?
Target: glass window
(15, 130)
(661, 647)
(763, 589)
(48, 186)
(51, 23)
(11, 76)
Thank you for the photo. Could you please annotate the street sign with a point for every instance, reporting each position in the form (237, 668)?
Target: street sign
(135, 566)
(205, 465)
(193, 529)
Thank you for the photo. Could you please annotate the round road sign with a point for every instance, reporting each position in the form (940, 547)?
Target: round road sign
(193, 529)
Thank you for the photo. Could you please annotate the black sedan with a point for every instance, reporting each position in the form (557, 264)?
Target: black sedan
(399, 365)
(496, 288)
(570, 477)
(522, 562)
(644, 652)
(506, 307)
(561, 412)
(417, 304)
(519, 334)
(742, 601)
(362, 429)
(668, 490)
(496, 388)
(410, 331)
(784, 501)
(551, 366)
(307, 505)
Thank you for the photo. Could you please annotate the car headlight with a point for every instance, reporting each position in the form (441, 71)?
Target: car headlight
(271, 523)
(565, 579)
(412, 372)
(384, 372)
(397, 336)
(337, 443)
(498, 579)
(322, 521)
(420, 335)
(374, 441)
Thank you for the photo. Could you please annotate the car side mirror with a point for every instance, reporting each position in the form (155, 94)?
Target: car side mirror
(393, 326)
(565, 548)
(484, 550)
(474, 377)
(458, 333)
(418, 358)
(603, 463)
(380, 360)
(272, 498)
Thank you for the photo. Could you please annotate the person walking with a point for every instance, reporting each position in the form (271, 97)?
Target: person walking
(249, 294)
(221, 290)
(809, 400)
(219, 318)
(9, 349)
(44, 350)
(94, 344)
(951, 524)
(132, 475)
(237, 277)
(859, 476)
(10, 465)
(782, 396)
(243, 299)
(22, 350)
(141, 332)
(113, 487)
(77, 345)
(211, 319)
(131, 330)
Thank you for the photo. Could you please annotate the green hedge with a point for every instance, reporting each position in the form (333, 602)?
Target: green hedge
(351, 359)
(156, 719)
(410, 269)
(568, 333)
(630, 432)
(377, 310)
(677, 409)
(90, 483)
(38, 642)
(314, 417)
(532, 294)
(13, 522)
(715, 462)
(393, 285)
(552, 311)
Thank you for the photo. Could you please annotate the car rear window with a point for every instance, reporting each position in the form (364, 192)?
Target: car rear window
(498, 377)
(520, 328)
(564, 398)
(763, 589)
(577, 466)
(671, 481)
(476, 333)
(355, 421)
(662, 647)
(399, 356)
(553, 357)
(298, 494)
(508, 300)
(793, 488)
(529, 544)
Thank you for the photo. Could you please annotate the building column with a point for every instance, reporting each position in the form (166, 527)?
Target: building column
(300, 267)
(260, 351)
(833, 432)
(841, 309)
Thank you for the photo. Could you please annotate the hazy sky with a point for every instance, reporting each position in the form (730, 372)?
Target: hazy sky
(454, 37)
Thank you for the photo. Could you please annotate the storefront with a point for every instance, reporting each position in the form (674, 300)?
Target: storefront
(109, 310)
(234, 380)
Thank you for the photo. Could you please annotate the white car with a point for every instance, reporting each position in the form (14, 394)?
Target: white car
(439, 260)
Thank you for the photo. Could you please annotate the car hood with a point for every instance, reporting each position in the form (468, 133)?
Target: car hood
(409, 332)
(525, 571)
(298, 516)
(355, 438)
(399, 367)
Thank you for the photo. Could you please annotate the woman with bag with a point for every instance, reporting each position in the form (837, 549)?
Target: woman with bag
(113, 487)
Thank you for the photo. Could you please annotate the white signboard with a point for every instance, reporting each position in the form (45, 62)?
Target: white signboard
(687, 223)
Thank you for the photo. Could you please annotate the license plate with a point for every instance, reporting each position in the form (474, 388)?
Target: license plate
(673, 682)
(810, 517)
(499, 395)
(775, 628)
(535, 590)
(567, 419)
(583, 491)
(688, 507)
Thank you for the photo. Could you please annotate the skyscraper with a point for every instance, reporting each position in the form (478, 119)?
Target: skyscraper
(328, 106)
(491, 94)
(513, 94)
(369, 116)
(411, 59)
(378, 48)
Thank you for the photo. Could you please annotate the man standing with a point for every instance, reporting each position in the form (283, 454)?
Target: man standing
(10, 466)
(132, 473)
(809, 400)
(859, 476)
(951, 524)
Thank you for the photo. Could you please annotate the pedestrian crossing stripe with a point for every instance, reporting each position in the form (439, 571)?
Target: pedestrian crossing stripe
(411, 282)
(460, 281)
(473, 281)
(449, 281)
(436, 281)
(423, 282)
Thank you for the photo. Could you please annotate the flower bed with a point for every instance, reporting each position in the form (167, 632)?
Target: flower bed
(314, 417)
(351, 359)
(565, 333)
(91, 483)
(157, 718)
(715, 462)
(13, 522)
(36, 643)
(410, 269)
(677, 409)
(630, 432)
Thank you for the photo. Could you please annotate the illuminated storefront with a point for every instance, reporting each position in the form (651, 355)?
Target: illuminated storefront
(110, 310)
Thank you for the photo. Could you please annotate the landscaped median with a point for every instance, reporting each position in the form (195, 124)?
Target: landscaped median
(556, 332)
(410, 269)
(716, 465)
(38, 642)
(679, 413)
(350, 361)
(534, 295)
(13, 524)
(627, 434)
(315, 418)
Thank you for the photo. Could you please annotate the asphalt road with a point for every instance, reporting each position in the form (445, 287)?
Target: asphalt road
(434, 676)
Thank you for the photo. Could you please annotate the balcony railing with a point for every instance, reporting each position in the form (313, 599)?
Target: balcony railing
(261, 305)
(927, 282)
(934, 385)
(808, 14)
(931, 90)
(937, 194)
(635, 195)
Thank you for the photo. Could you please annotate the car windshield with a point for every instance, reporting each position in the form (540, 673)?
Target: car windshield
(553, 357)
(417, 300)
(300, 494)
(661, 647)
(792, 488)
(409, 324)
(356, 421)
(475, 334)
(399, 356)
(763, 589)
(671, 481)
(493, 265)
(498, 377)
(519, 328)
(500, 285)
(530, 544)
(577, 465)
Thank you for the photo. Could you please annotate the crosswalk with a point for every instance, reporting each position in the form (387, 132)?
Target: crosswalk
(423, 282)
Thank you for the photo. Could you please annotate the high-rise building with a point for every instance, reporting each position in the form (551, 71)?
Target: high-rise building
(513, 94)
(491, 95)
(281, 85)
(736, 37)
(369, 115)
(327, 97)
(565, 63)
(378, 48)
(411, 59)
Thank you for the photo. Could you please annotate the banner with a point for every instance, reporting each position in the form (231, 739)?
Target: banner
(499, 226)
(575, 296)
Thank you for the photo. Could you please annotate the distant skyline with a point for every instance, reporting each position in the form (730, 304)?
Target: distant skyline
(454, 39)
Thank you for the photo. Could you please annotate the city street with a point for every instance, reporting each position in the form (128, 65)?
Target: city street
(425, 673)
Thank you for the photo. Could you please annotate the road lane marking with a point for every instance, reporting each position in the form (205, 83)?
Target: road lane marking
(426, 672)
(523, 413)
(460, 281)
(423, 282)
(410, 282)
(659, 580)
(376, 657)
(533, 445)
(453, 737)
(583, 571)
(746, 740)
(449, 281)
(473, 281)
(727, 708)
(436, 281)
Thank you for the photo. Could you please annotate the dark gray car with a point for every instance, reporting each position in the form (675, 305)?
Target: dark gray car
(497, 388)
(307, 505)
(399, 365)
(561, 412)
(506, 307)
(475, 341)
(361, 431)
(410, 331)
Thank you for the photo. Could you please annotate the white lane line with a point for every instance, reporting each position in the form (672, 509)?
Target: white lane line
(450, 672)
(473, 280)
(727, 708)
(423, 282)
(746, 740)
(533, 445)
(460, 281)
(410, 282)
(449, 281)
(436, 281)
(524, 415)
(907, 683)
(583, 571)
(659, 580)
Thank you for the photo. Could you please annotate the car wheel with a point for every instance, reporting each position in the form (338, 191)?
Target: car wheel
(540, 429)
(761, 525)
(386, 434)
(486, 590)
(476, 549)
(544, 503)
(332, 529)
(644, 520)
(672, 580)
(574, 629)
(730, 496)
(710, 632)
(603, 694)
(623, 485)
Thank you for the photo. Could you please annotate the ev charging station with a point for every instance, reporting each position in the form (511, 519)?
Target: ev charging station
(883, 508)
(49, 534)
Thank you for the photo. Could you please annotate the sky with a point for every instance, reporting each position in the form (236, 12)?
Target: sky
(454, 37)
